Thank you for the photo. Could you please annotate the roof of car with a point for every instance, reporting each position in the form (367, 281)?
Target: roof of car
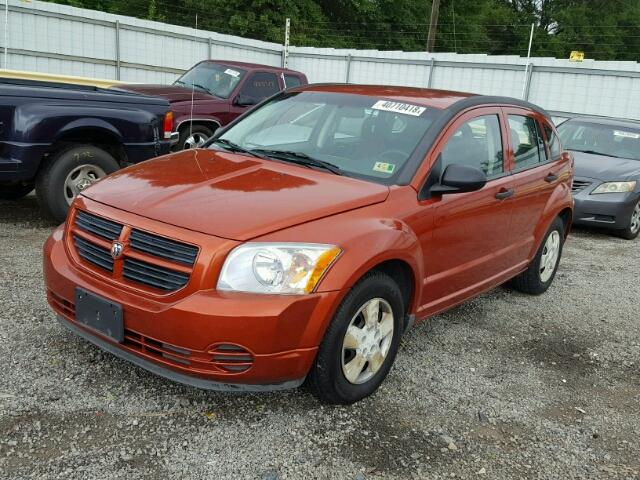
(428, 97)
(617, 122)
(252, 66)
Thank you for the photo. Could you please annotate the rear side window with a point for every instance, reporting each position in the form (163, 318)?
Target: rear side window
(528, 145)
(553, 141)
(476, 143)
(260, 85)
(292, 81)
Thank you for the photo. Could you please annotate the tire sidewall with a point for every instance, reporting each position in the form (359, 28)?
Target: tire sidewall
(371, 287)
(558, 226)
(627, 233)
(60, 167)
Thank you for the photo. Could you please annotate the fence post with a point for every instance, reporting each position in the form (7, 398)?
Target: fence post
(285, 47)
(432, 66)
(348, 68)
(6, 33)
(117, 49)
(210, 50)
(527, 85)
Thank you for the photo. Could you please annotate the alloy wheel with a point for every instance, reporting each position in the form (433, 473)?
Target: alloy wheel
(195, 140)
(550, 255)
(635, 220)
(80, 178)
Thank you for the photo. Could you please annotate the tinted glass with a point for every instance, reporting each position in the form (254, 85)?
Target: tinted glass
(292, 81)
(528, 145)
(364, 136)
(215, 79)
(621, 141)
(477, 143)
(553, 141)
(259, 86)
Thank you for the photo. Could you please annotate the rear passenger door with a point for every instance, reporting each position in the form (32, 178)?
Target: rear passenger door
(469, 248)
(535, 175)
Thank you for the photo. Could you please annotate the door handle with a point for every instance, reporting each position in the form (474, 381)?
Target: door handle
(552, 177)
(504, 193)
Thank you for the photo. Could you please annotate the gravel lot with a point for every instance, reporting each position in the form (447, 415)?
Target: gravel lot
(505, 386)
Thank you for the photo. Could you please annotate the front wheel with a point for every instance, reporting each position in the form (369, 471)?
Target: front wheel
(67, 174)
(542, 270)
(361, 342)
(633, 229)
(194, 137)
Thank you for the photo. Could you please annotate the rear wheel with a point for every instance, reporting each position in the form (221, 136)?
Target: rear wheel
(361, 342)
(633, 229)
(194, 137)
(67, 174)
(538, 277)
(15, 192)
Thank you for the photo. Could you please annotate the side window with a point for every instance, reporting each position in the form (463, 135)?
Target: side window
(528, 145)
(292, 81)
(259, 86)
(476, 143)
(553, 141)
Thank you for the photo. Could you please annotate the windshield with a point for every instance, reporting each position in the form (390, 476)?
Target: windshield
(212, 78)
(615, 141)
(356, 135)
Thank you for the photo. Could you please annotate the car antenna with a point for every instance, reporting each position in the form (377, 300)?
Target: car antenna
(193, 86)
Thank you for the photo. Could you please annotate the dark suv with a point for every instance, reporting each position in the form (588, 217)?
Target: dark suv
(221, 91)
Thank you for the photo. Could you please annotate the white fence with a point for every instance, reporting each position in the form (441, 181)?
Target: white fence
(52, 38)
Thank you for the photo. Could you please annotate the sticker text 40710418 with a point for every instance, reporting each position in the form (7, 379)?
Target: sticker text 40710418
(398, 107)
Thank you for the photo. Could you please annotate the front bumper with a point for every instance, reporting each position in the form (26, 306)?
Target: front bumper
(179, 338)
(608, 210)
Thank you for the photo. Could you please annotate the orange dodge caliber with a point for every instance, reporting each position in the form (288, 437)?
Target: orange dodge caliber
(307, 236)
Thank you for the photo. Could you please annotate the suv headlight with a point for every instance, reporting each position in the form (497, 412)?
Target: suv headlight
(615, 187)
(277, 268)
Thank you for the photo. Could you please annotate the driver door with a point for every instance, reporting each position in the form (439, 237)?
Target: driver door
(469, 249)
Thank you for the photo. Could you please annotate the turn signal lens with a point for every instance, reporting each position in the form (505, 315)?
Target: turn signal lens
(167, 126)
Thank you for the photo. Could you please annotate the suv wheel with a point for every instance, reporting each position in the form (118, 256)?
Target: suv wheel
(542, 270)
(194, 137)
(633, 229)
(361, 342)
(15, 192)
(67, 174)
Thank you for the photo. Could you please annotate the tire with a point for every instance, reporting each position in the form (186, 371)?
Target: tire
(194, 137)
(328, 379)
(536, 279)
(633, 229)
(91, 163)
(15, 192)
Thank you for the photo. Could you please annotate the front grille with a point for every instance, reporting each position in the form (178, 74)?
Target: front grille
(98, 226)
(163, 248)
(579, 185)
(153, 275)
(93, 253)
(147, 260)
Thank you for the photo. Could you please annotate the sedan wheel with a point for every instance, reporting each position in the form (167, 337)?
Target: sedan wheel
(550, 255)
(635, 220)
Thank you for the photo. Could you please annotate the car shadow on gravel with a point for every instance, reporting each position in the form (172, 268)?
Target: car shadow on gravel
(25, 211)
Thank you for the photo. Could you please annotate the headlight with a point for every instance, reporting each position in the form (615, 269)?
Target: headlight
(279, 268)
(615, 187)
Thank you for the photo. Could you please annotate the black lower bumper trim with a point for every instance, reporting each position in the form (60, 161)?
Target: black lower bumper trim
(175, 376)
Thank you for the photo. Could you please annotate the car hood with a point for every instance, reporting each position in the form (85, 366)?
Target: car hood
(229, 195)
(173, 93)
(606, 169)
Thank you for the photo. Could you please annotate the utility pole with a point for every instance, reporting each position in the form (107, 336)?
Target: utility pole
(433, 25)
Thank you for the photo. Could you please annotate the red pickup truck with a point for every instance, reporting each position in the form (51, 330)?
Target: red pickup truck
(221, 92)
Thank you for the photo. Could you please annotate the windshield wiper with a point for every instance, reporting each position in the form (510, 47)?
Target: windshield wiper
(202, 88)
(593, 152)
(179, 82)
(234, 147)
(300, 158)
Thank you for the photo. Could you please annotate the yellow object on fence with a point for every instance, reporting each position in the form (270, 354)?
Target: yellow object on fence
(48, 77)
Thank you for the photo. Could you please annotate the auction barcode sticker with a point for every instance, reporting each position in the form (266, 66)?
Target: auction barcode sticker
(233, 73)
(622, 133)
(398, 107)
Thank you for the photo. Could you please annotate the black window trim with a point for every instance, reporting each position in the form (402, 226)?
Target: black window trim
(539, 164)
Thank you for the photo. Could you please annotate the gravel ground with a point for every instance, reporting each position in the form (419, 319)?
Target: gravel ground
(506, 386)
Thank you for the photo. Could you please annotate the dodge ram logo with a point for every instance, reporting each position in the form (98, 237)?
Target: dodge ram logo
(116, 250)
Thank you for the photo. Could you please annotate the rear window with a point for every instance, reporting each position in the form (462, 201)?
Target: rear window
(291, 81)
(621, 141)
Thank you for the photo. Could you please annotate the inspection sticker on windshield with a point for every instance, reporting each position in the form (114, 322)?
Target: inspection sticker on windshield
(620, 133)
(384, 167)
(233, 73)
(397, 107)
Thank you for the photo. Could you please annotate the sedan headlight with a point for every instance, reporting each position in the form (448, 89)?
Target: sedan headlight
(277, 268)
(615, 187)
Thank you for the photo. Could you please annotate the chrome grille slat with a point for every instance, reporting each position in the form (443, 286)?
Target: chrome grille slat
(98, 226)
(163, 248)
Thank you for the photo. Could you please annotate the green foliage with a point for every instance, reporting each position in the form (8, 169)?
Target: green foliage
(603, 29)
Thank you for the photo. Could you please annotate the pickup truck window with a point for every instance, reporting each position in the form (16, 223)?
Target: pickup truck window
(291, 81)
(213, 78)
(365, 137)
(260, 85)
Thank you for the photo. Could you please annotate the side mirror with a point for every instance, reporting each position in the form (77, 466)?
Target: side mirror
(244, 100)
(460, 179)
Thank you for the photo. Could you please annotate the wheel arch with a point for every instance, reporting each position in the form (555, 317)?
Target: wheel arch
(207, 122)
(106, 139)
